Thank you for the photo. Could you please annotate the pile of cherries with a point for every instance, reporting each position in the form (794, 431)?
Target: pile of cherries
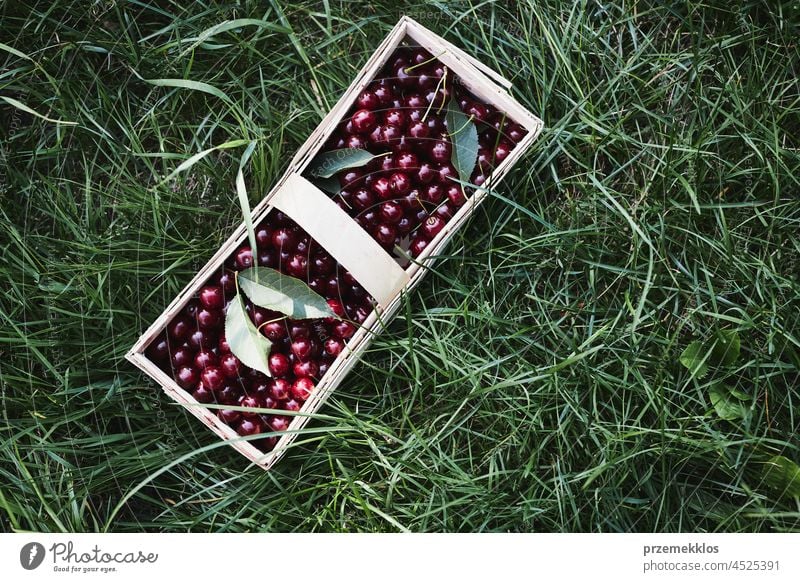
(195, 353)
(409, 191)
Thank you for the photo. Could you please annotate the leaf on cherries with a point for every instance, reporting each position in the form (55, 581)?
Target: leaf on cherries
(327, 164)
(329, 185)
(273, 290)
(464, 137)
(244, 339)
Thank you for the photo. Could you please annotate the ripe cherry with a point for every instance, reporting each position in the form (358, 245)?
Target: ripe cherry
(382, 187)
(182, 357)
(229, 416)
(187, 377)
(274, 330)
(204, 359)
(455, 194)
(363, 198)
(391, 212)
(343, 329)
(158, 350)
(440, 151)
(249, 427)
(203, 395)
(284, 238)
(368, 100)
(434, 193)
(279, 423)
(396, 118)
(243, 259)
(364, 121)
(385, 234)
(417, 246)
(211, 297)
(302, 388)
(180, 328)
(278, 364)
(209, 318)
(301, 348)
(212, 378)
(228, 283)
(432, 226)
(280, 388)
(400, 184)
(230, 365)
(202, 339)
(292, 405)
(334, 346)
(308, 368)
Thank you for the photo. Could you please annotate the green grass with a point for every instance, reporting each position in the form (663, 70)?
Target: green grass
(531, 383)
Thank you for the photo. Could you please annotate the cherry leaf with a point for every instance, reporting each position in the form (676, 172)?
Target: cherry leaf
(326, 164)
(464, 136)
(272, 289)
(244, 339)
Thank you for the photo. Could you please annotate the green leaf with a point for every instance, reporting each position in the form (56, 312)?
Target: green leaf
(244, 339)
(782, 474)
(464, 136)
(729, 406)
(695, 358)
(329, 185)
(326, 164)
(726, 348)
(272, 289)
(241, 191)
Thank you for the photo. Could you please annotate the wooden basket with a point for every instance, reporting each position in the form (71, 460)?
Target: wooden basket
(342, 237)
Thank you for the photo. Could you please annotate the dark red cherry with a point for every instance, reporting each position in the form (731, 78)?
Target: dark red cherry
(415, 101)
(434, 193)
(515, 133)
(243, 258)
(202, 339)
(209, 318)
(192, 308)
(417, 246)
(382, 187)
(229, 416)
(447, 173)
(158, 350)
(356, 142)
(344, 329)
(280, 388)
(405, 225)
(350, 178)
(203, 395)
(501, 151)
(292, 405)
(332, 288)
(419, 131)
(432, 226)
(385, 234)
(485, 162)
(364, 121)
(279, 423)
(337, 307)
(229, 394)
(211, 297)
(230, 365)
(249, 427)
(182, 357)
(479, 180)
(444, 211)
(302, 389)
(334, 346)
(204, 359)
(440, 151)
(322, 264)
(455, 194)
(363, 199)
(426, 173)
(391, 212)
(399, 183)
(301, 348)
(279, 365)
(411, 200)
(212, 378)
(309, 368)
(250, 402)
(187, 377)
(396, 118)
(264, 237)
(477, 110)
(274, 330)
(228, 283)
(368, 100)
(419, 56)
(268, 258)
(383, 92)
(297, 266)
(180, 328)
(407, 161)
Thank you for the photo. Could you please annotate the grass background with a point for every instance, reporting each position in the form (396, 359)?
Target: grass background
(532, 383)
